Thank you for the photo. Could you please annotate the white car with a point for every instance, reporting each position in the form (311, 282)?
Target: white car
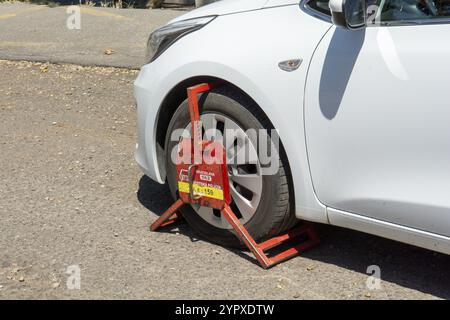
(359, 100)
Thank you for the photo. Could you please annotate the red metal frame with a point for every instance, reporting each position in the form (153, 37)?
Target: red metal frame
(169, 217)
(259, 250)
(220, 178)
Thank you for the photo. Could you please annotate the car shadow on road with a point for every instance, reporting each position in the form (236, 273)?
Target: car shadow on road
(407, 266)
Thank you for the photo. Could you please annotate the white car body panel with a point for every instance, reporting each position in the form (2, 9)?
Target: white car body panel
(376, 112)
(276, 3)
(223, 7)
(244, 45)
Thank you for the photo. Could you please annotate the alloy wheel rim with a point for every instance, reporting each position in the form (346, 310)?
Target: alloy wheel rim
(244, 169)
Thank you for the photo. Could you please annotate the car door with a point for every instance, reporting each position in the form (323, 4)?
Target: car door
(377, 116)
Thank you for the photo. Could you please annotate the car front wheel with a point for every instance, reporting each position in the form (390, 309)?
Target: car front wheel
(261, 201)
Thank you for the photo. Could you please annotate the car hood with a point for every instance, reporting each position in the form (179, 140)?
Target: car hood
(233, 6)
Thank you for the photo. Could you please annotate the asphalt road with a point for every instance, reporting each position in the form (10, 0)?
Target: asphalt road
(40, 33)
(72, 196)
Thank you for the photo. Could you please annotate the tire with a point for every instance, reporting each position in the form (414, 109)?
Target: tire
(273, 214)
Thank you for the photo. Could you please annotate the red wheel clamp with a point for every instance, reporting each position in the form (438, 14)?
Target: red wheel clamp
(203, 180)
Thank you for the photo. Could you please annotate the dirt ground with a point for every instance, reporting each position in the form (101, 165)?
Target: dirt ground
(73, 197)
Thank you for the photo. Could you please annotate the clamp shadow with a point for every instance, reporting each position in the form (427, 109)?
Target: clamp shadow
(157, 198)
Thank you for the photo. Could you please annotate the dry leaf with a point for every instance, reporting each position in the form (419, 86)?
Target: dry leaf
(109, 52)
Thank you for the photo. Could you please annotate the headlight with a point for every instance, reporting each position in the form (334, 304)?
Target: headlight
(164, 37)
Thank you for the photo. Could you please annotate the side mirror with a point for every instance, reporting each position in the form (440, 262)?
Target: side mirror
(348, 14)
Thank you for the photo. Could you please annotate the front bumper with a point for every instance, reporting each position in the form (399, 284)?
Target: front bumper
(148, 102)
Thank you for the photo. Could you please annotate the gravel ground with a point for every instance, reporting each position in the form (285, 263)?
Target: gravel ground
(72, 195)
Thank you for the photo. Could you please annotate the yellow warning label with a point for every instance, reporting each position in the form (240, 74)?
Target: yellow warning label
(205, 191)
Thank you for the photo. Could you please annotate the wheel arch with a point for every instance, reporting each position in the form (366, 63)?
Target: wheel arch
(178, 94)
